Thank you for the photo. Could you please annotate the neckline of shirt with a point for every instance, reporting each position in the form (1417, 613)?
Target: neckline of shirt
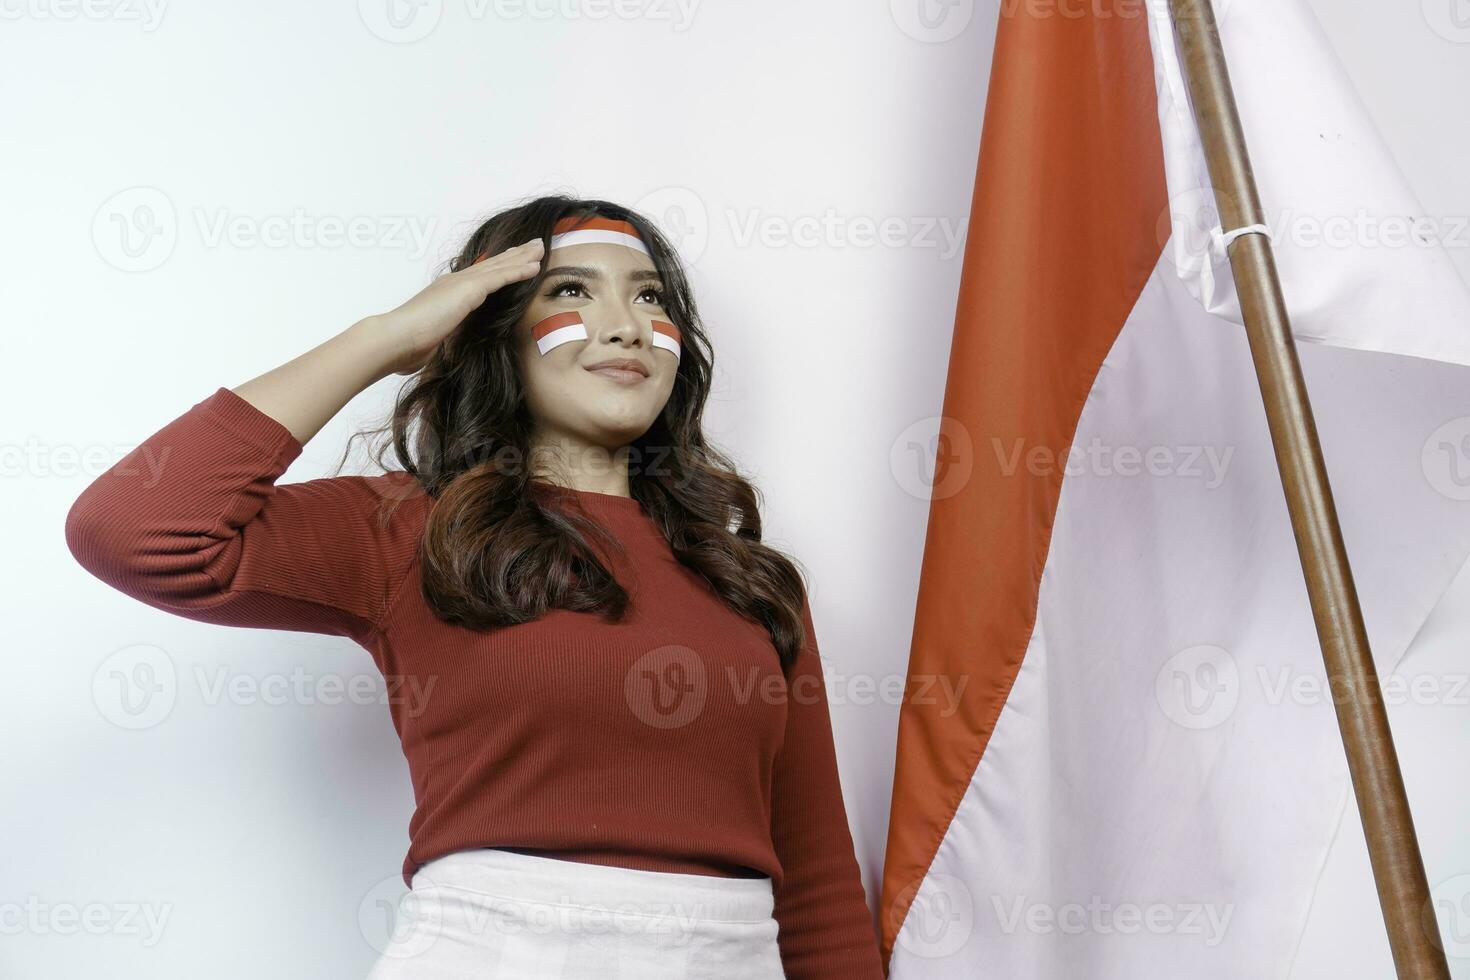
(610, 502)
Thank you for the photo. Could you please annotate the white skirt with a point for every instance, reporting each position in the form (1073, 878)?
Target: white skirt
(491, 913)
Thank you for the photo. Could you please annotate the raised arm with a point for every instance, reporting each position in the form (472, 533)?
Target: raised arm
(304, 394)
(826, 930)
(192, 521)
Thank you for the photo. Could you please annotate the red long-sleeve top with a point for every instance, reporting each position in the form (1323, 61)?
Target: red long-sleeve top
(668, 741)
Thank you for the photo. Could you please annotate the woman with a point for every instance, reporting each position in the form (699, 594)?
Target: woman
(622, 703)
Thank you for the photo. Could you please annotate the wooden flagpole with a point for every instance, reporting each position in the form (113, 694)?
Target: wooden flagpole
(1393, 847)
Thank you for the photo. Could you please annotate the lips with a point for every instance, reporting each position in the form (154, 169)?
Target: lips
(623, 370)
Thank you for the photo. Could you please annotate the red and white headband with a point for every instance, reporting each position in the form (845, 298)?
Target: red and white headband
(596, 231)
(590, 231)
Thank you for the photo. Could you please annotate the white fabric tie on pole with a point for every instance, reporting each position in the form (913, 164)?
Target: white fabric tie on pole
(1224, 238)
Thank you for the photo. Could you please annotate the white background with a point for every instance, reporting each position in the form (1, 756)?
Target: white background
(172, 180)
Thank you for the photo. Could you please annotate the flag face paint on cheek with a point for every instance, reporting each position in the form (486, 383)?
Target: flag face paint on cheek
(561, 328)
(667, 336)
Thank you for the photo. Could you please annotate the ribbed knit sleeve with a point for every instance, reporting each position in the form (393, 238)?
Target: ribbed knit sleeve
(191, 522)
(826, 931)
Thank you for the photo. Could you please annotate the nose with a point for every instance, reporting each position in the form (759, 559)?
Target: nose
(619, 325)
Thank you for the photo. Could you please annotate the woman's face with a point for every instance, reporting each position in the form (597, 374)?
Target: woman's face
(617, 292)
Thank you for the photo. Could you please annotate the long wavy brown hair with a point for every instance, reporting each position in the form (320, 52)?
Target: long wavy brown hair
(498, 549)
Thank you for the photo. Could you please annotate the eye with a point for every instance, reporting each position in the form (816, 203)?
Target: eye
(656, 293)
(559, 290)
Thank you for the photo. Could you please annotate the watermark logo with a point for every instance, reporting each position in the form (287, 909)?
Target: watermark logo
(1207, 465)
(1446, 459)
(144, 922)
(940, 919)
(1190, 232)
(135, 230)
(1449, 903)
(1191, 229)
(681, 216)
(147, 14)
(666, 687)
(407, 21)
(679, 14)
(1204, 920)
(400, 924)
(1450, 19)
(301, 229)
(932, 21)
(933, 458)
(1364, 229)
(1198, 688)
(36, 459)
(757, 685)
(222, 685)
(832, 229)
(686, 220)
(400, 21)
(136, 687)
(1287, 685)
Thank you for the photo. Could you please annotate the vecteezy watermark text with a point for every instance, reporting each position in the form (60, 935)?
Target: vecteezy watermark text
(1207, 463)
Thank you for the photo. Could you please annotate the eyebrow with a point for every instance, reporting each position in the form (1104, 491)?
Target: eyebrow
(587, 272)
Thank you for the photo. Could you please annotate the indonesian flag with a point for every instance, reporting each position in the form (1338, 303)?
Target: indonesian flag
(1141, 774)
(667, 336)
(558, 329)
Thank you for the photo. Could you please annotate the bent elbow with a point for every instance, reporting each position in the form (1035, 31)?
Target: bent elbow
(97, 537)
(126, 549)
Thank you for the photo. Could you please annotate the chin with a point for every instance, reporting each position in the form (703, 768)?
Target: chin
(613, 427)
(620, 432)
